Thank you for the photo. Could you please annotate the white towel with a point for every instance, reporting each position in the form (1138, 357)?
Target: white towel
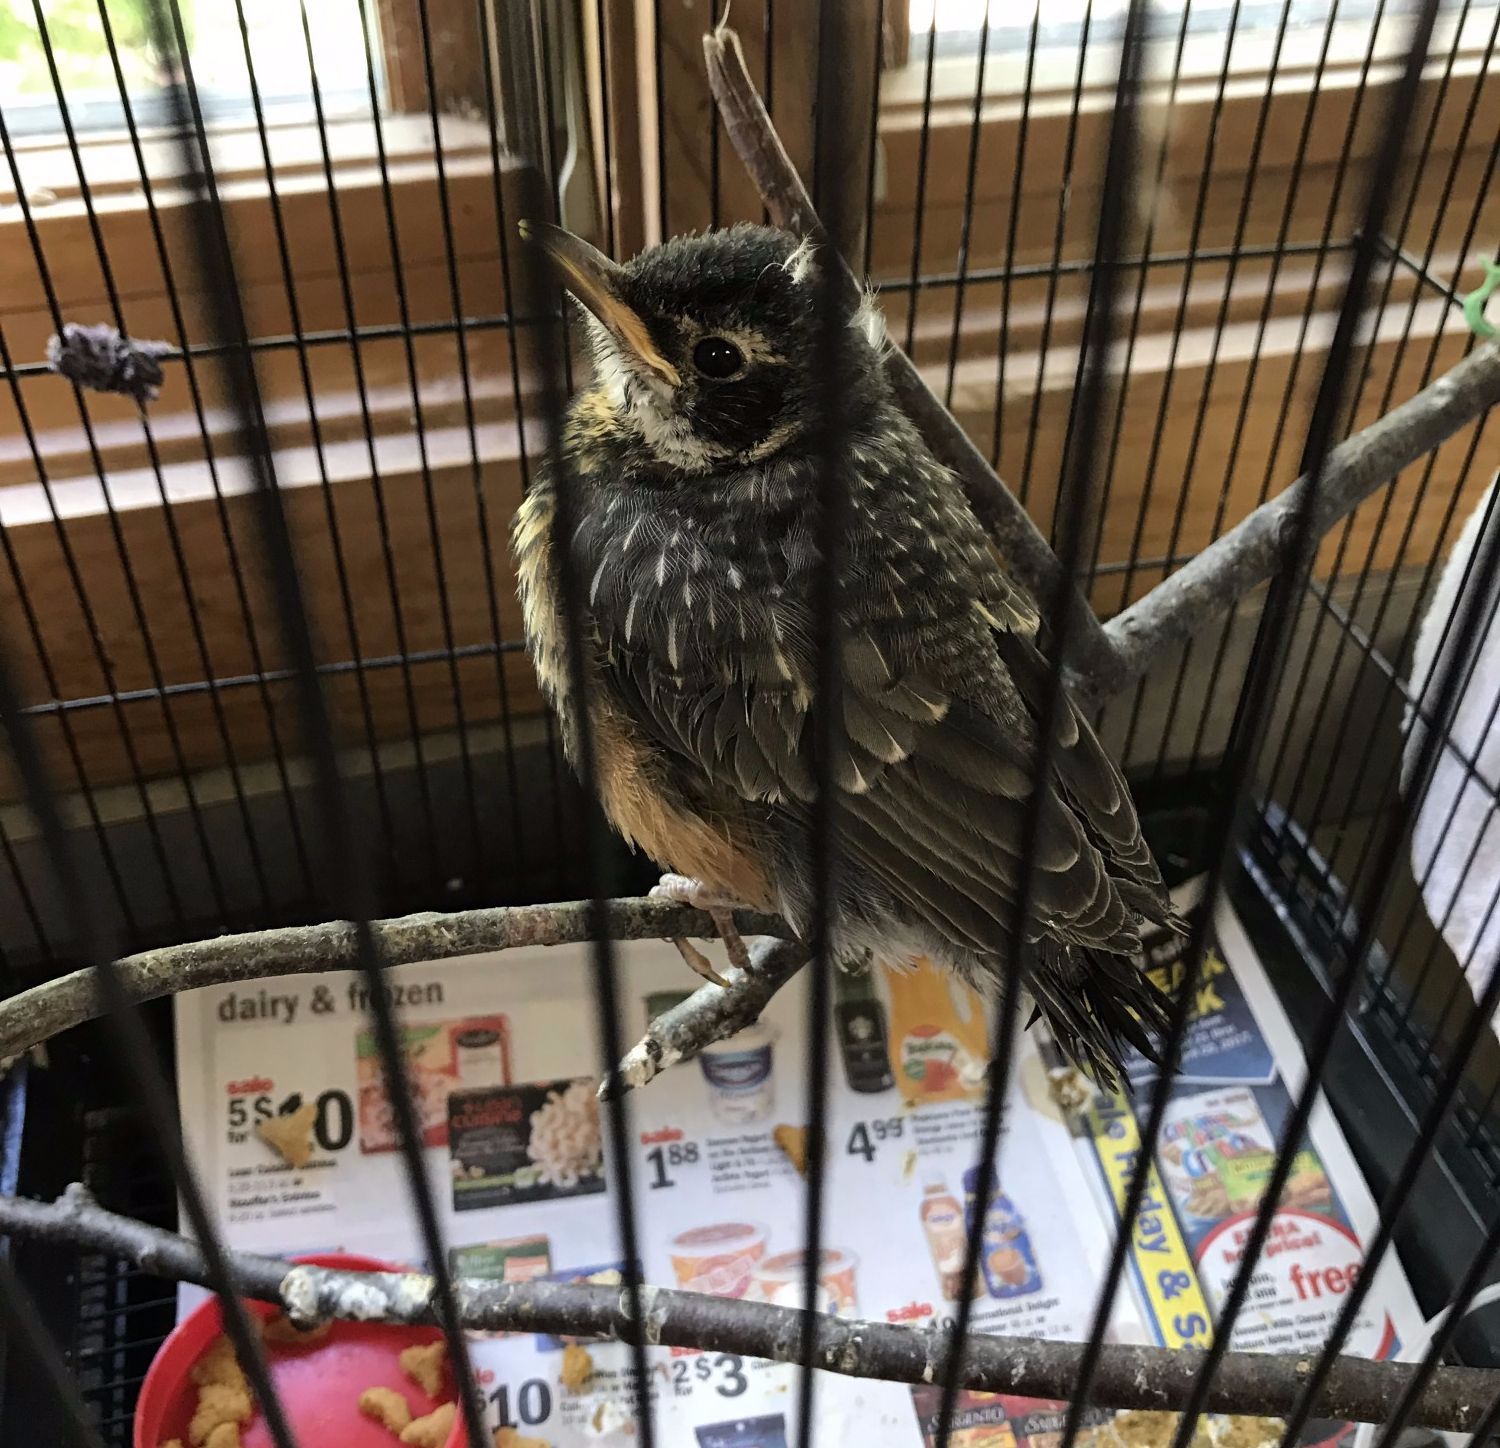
(1457, 818)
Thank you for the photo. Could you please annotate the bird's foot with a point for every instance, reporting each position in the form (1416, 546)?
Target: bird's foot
(697, 962)
(684, 890)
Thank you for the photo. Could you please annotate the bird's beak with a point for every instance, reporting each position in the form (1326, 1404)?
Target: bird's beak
(594, 279)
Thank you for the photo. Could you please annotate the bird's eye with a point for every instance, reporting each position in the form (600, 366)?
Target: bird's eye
(716, 358)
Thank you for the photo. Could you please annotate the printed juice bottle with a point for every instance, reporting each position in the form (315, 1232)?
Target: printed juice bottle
(943, 1222)
(938, 1044)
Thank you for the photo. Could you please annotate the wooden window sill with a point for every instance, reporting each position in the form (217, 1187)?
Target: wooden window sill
(1055, 69)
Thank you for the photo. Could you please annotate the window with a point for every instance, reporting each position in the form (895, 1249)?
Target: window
(81, 48)
(1270, 221)
(339, 281)
(1003, 258)
(957, 25)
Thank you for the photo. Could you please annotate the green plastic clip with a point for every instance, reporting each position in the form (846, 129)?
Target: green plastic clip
(1474, 303)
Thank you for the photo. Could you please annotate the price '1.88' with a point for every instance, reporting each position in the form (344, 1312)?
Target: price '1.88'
(663, 1158)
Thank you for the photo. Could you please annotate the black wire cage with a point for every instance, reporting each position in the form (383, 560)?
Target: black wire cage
(1190, 276)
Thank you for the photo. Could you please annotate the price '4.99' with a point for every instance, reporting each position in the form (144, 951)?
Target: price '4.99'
(866, 1137)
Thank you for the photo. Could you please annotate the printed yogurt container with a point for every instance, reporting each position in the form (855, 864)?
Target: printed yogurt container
(780, 1279)
(738, 1072)
(718, 1259)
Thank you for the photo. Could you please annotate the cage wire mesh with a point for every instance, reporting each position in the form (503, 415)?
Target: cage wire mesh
(263, 661)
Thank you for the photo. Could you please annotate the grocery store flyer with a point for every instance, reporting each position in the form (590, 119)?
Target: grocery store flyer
(287, 1111)
(503, 1059)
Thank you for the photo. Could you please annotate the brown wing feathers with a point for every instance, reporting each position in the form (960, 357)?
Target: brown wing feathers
(941, 799)
(940, 715)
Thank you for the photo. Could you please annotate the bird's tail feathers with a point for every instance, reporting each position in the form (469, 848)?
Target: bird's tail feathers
(1097, 1003)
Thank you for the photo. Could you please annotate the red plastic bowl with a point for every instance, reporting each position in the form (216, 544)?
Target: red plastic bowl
(319, 1386)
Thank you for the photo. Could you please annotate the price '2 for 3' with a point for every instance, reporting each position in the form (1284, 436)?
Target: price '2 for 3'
(726, 1372)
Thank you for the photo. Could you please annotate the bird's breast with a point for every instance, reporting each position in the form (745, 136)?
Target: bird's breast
(635, 788)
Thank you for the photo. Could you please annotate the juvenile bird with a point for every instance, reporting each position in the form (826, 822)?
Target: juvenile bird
(695, 456)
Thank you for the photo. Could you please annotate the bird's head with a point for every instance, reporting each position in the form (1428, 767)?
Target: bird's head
(706, 346)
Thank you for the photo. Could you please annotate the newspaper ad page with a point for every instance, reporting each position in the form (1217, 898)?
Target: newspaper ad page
(503, 1060)
(287, 1110)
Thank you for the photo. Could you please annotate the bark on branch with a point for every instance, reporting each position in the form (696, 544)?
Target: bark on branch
(1255, 1384)
(710, 1014)
(1251, 552)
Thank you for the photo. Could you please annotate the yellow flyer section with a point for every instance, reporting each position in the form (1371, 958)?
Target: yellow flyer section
(1222, 1126)
(1159, 1258)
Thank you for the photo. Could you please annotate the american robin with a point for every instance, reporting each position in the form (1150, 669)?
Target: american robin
(695, 458)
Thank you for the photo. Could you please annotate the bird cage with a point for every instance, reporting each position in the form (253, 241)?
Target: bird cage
(1187, 297)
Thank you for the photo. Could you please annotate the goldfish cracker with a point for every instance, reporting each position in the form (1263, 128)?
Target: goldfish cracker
(386, 1406)
(938, 1037)
(577, 1367)
(219, 1365)
(290, 1136)
(218, 1404)
(511, 1438)
(226, 1435)
(424, 1365)
(431, 1431)
(793, 1143)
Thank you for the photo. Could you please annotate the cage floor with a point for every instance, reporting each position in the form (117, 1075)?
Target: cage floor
(111, 1319)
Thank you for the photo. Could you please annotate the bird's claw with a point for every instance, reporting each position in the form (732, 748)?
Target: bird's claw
(734, 943)
(699, 963)
(683, 890)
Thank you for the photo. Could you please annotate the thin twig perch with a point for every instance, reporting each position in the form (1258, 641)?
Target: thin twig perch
(749, 128)
(680, 1033)
(1251, 552)
(1257, 1384)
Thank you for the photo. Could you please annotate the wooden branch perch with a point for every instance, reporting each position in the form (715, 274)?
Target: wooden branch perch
(710, 1014)
(1251, 552)
(749, 128)
(1253, 1384)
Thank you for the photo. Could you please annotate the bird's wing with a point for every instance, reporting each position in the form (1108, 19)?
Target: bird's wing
(934, 761)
